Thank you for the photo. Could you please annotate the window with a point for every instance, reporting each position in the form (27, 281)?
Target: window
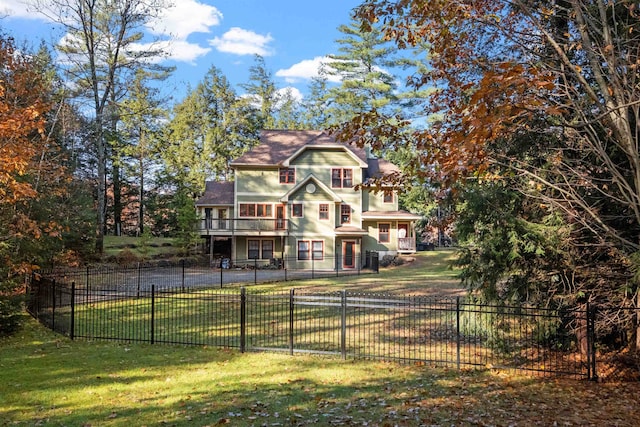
(253, 249)
(323, 211)
(263, 211)
(311, 250)
(318, 249)
(345, 214)
(341, 178)
(303, 249)
(387, 196)
(296, 210)
(383, 233)
(260, 210)
(287, 176)
(267, 249)
(259, 249)
(247, 209)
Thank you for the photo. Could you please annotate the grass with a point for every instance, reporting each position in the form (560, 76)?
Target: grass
(49, 380)
(46, 379)
(156, 246)
(424, 273)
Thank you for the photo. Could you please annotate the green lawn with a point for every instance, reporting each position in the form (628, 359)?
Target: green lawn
(48, 380)
(154, 247)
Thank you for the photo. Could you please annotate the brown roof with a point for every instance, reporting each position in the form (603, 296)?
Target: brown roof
(389, 215)
(217, 193)
(276, 146)
(379, 168)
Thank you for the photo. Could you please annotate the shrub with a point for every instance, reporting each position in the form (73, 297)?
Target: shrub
(11, 298)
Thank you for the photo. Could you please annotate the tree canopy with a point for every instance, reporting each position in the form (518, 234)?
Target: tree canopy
(542, 95)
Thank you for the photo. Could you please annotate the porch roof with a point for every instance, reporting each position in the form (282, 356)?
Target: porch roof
(398, 215)
(217, 193)
(350, 230)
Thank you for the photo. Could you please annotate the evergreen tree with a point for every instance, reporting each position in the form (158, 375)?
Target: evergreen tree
(366, 66)
(263, 93)
(210, 127)
(141, 114)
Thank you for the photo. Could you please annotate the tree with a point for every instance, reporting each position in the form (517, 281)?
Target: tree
(289, 114)
(262, 91)
(546, 91)
(100, 48)
(210, 127)
(369, 67)
(141, 114)
(315, 104)
(31, 172)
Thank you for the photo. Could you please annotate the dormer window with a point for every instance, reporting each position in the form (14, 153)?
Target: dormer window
(287, 176)
(387, 196)
(341, 178)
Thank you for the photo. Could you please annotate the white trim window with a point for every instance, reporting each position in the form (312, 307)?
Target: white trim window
(341, 178)
(260, 248)
(311, 249)
(323, 211)
(384, 232)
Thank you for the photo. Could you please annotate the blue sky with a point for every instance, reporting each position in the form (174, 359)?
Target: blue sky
(292, 35)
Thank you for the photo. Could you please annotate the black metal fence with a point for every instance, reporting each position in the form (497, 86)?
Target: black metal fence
(222, 272)
(446, 332)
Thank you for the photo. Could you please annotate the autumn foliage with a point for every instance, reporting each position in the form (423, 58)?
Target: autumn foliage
(30, 173)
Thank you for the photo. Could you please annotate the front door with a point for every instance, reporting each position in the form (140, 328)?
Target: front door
(348, 254)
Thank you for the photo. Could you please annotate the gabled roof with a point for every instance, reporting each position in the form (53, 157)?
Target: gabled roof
(277, 147)
(311, 179)
(217, 193)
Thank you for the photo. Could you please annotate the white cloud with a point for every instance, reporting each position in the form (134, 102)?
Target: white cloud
(243, 42)
(281, 93)
(184, 18)
(306, 70)
(15, 9)
(177, 50)
(293, 91)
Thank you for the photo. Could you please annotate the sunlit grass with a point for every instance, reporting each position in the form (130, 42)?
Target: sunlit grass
(49, 380)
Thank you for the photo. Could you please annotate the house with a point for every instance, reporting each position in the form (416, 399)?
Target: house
(294, 200)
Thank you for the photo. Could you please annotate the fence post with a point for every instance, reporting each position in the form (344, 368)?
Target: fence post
(73, 310)
(343, 324)
(138, 290)
(255, 271)
(87, 284)
(221, 261)
(291, 314)
(153, 312)
(53, 305)
(591, 342)
(313, 267)
(182, 262)
(458, 332)
(243, 319)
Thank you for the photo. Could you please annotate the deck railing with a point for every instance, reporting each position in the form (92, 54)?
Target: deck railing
(229, 225)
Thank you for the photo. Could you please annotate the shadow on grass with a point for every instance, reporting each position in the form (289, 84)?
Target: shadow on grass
(48, 380)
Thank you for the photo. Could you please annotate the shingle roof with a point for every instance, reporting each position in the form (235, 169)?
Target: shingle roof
(276, 146)
(379, 168)
(217, 193)
(389, 215)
